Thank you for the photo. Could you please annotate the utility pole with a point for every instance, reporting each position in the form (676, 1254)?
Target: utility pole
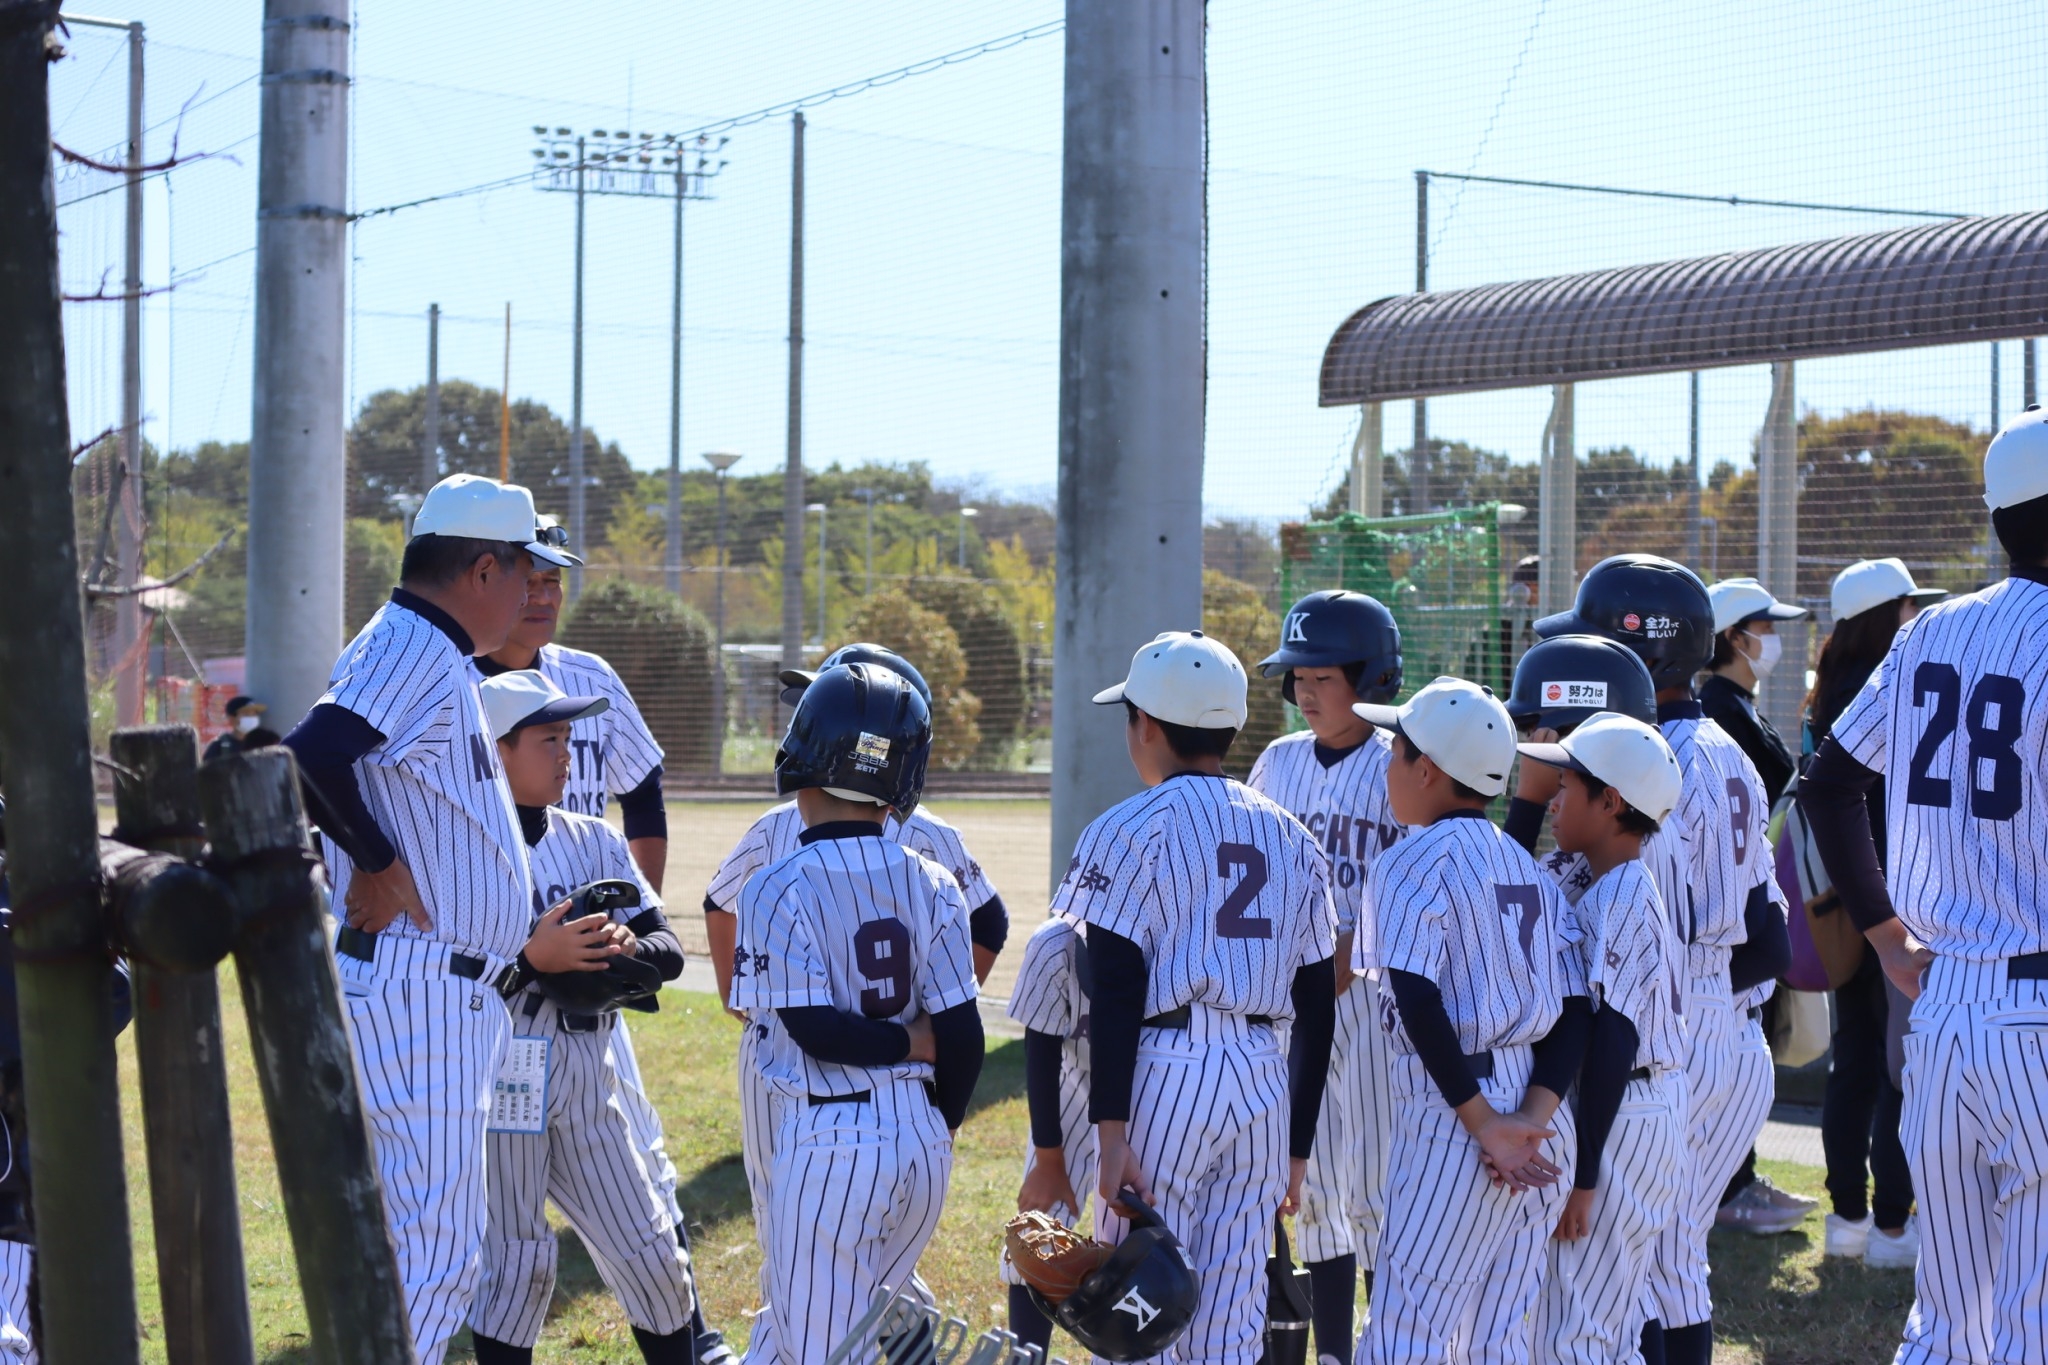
(1692, 511)
(1129, 558)
(672, 556)
(505, 405)
(128, 627)
(823, 578)
(1418, 454)
(430, 429)
(576, 489)
(720, 461)
(297, 456)
(793, 465)
(966, 514)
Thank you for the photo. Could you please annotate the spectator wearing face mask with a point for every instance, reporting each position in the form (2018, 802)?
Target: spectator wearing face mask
(1747, 648)
(245, 729)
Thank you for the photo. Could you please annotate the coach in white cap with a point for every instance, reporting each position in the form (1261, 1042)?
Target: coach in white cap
(430, 872)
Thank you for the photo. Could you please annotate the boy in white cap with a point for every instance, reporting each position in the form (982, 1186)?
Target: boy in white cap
(578, 1147)
(1474, 949)
(430, 874)
(1209, 923)
(1622, 780)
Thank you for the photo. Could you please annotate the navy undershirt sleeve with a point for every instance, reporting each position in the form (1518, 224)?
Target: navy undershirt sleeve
(842, 1037)
(958, 1049)
(1767, 954)
(1042, 1057)
(658, 946)
(1557, 1055)
(1835, 793)
(1308, 1051)
(642, 811)
(327, 744)
(989, 925)
(1610, 1056)
(1524, 822)
(1116, 1011)
(1436, 1042)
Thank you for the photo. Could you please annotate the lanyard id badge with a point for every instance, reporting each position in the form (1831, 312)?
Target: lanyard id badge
(519, 1097)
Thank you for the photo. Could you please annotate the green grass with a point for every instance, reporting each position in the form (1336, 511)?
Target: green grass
(1779, 1303)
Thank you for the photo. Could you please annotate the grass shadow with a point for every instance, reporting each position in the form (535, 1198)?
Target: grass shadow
(1002, 1076)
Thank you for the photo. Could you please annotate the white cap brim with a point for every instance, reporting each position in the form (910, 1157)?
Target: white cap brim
(1377, 713)
(1110, 696)
(548, 554)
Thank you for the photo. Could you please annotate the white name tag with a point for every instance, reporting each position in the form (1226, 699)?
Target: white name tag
(1575, 694)
(519, 1097)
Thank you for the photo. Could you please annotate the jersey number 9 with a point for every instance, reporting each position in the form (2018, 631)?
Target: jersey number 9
(881, 950)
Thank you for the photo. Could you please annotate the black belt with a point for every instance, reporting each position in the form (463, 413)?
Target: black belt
(2027, 967)
(1641, 1073)
(580, 1023)
(1182, 1016)
(352, 942)
(1756, 1012)
(931, 1092)
(1481, 1064)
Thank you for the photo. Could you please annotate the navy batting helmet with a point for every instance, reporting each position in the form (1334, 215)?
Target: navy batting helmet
(625, 982)
(1140, 1300)
(1658, 608)
(1339, 629)
(860, 729)
(795, 680)
(1562, 681)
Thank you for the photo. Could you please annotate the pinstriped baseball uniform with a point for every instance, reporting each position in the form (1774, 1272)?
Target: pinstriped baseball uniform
(15, 1267)
(587, 1161)
(611, 753)
(1461, 1262)
(1721, 813)
(864, 925)
(428, 1043)
(1048, 999)
(1341, 797)
(1955, 717)
(1228, 897)
(1590, 1310)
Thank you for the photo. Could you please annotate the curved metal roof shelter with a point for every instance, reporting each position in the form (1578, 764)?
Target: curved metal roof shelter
(1971, 279)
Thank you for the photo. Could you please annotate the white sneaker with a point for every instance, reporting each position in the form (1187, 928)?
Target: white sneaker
(1902, 1252)
(1846, 1238)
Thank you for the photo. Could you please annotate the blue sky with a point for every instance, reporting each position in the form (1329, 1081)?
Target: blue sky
(934, 207)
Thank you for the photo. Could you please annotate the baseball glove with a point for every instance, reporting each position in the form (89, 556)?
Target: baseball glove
(1051, 1257)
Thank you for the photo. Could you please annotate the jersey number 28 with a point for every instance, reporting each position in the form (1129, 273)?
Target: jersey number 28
(1993, 718)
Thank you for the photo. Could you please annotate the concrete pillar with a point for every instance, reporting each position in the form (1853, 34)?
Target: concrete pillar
(1367, 476)
(297, 461)
(1557, 511)
(1777, 545)
(1131, 376)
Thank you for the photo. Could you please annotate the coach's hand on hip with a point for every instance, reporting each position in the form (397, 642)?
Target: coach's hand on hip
(1119, 1164)
(375, 899)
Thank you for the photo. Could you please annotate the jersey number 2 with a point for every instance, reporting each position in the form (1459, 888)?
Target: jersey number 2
(881, 950)
(1231, 919)
(1993, 717)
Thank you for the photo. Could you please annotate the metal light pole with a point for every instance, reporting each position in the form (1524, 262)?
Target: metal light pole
(1418, 456)
(867, 495)
(576, 398)
(965, 514)
(821, 510)
(720, 461)
(430, 434)
(1692, 520)
(793, 441)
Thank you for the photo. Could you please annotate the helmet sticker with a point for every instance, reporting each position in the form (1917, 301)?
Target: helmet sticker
(1631, 622)
(1296, 632)
(1575, 694)
(872, 751)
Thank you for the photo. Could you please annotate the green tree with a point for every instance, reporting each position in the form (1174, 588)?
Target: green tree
(1237, 615)
(373, 555)
(995, 659)
(662, 650)
(923, 637)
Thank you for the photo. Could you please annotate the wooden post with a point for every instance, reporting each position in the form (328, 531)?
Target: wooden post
(348, 1267)
(178, 1056)
(80, 1198)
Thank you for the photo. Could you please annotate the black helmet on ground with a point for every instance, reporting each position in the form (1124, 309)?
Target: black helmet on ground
(1563, 681)
(860, 730)
(795, 680)
(1656, 607)
(1140, 1300)
(1336, 628)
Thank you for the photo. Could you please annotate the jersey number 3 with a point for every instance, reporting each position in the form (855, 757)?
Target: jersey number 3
(881, 950)
(1993, 718)
(1231, 919)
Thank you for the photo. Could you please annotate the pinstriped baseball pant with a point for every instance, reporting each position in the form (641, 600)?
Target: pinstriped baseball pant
(644, 1118)
(1975, 1130)
(1344, 1193)
(16, 1264)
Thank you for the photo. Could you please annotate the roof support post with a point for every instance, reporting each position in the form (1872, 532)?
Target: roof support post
(1777, 544)
(1367, 494)
(1557, 511)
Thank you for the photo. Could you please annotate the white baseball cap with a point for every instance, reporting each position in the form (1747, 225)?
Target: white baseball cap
(2016, 464)
(1741, 599)
(1624, 753)
(1873, 582)
(1184, 678)
(484, 509)
(1462, 728)
(515, 700)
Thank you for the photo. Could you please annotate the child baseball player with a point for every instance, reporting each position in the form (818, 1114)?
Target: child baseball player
(1051, 1001)
(1724, 897)
(1487, 1027)
(1620, 779)
(430, 872)
(1337, 649)
(858, 962)
(1209, 927)
(578, 1147)
(1954, 718)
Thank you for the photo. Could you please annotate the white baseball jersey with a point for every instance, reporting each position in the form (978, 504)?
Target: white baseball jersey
(1341, 798)
(578, 850)
(1954, 715)
(1462, 904)
(774, 836)
(1633, 961)
(1223, 890)
(434, 786)
(1722, 812)
(610, 753)
(1048, 998)
(860, 924)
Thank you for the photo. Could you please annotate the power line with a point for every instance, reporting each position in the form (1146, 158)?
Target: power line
(1736, 200)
